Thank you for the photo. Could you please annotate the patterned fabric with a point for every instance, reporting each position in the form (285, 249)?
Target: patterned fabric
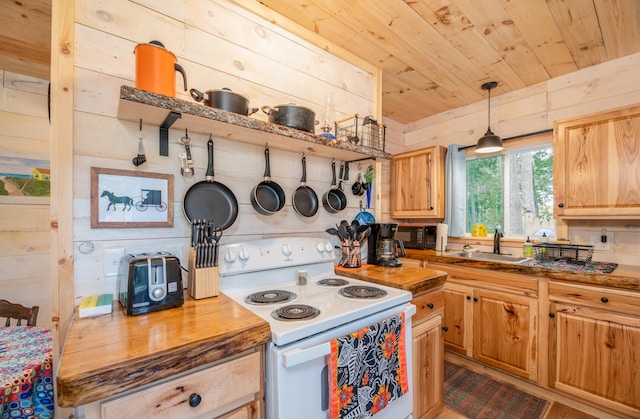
(368, 369)
(26, 376)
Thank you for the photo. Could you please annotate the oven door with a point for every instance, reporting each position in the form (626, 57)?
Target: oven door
(296, 382)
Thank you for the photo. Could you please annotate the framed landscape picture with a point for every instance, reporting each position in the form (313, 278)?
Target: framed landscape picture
(130, 199)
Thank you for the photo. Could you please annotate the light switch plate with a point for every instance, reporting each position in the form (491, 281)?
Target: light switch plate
(599, 245)
(112, 260)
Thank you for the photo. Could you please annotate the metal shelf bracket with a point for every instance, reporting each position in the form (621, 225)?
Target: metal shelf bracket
(164, 131)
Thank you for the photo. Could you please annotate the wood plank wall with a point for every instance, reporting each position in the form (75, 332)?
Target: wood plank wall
(605, 86)
(24, 225)
(219, 45)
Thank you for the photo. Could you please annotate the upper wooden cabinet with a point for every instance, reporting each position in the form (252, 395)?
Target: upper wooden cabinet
(596, 165)
(417, 183)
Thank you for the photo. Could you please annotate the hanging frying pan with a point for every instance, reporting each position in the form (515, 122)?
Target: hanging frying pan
(305, 200)
(267, 197)
(210, 200)
(334, 199)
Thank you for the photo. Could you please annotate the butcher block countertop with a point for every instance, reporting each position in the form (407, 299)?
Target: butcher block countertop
(410, 278)
(624, 276)
(108, 354)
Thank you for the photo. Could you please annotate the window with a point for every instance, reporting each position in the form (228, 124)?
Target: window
(512, 191)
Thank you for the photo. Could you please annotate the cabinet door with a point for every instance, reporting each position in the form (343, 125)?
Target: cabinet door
(595, 165)
(428, 368)
(594, 355)
(248, 411)
(458, 319)
(504, 332)
(417, 184)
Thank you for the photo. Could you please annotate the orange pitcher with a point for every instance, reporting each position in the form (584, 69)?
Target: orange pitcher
(155, 69)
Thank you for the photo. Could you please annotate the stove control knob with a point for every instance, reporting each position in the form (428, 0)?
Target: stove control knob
(286, 250)
(244, 254)
(230, 256)
(328, 247)
(320, 247)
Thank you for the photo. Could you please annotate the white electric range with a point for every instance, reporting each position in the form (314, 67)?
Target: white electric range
(290, 282)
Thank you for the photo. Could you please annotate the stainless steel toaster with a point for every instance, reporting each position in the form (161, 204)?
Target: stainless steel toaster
(150, 282)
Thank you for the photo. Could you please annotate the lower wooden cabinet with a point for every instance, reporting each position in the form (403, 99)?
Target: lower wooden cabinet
(492, 317)
(248, 411)
(593, 345)
(428, 354)
(458, 318)
(230, 390)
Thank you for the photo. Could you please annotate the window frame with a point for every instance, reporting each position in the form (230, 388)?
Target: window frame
(528, 143)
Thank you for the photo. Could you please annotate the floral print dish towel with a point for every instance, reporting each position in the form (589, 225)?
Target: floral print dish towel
(368, 369)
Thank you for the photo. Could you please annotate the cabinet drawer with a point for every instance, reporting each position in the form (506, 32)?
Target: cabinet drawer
(595, 297)
(220, 388)
(428, 304)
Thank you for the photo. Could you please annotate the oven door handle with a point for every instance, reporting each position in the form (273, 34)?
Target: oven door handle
(299, 356)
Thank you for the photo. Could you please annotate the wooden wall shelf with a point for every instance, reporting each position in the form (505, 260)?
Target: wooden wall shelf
(168, 112)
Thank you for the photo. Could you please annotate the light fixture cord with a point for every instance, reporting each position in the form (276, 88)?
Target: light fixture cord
(489, 113)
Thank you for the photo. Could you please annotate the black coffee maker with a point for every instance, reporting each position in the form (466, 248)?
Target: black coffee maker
(384, 249)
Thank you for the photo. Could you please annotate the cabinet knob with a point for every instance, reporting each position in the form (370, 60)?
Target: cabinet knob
(430, 305)
(604, 299)
(194, 400)
(552, 315)
(468, 297)
(475, 299)
(445, 328)
(561, 205)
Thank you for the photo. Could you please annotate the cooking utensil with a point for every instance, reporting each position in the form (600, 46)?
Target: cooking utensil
(334, 200)
(293, 116)
(187, 162)
(333, 232)
(224, 99)
(365, 217)
(305, 200)
(359, 187)
(267, 197)
(155, 69)
(210, 200)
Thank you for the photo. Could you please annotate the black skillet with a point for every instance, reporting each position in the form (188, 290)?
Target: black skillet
(267, 197)
(210, 200)
(334, 200)
(305, 200)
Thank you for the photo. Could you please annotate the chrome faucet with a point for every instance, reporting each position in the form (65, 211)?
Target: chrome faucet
(496, 242)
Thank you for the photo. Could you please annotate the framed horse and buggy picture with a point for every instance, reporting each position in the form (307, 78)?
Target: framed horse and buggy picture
(130, 199)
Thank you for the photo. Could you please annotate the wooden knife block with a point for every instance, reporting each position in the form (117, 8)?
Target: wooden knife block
(203, 282)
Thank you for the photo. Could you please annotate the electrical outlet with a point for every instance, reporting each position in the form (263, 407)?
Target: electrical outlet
(112, 260)
(599, 245)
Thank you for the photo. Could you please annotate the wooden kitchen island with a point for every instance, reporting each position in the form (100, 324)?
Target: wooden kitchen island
(427, 287)
(172, 363)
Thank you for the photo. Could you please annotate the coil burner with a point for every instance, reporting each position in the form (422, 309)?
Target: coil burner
(270, 297)
(295, 312)
(362, 291)
(333, 282)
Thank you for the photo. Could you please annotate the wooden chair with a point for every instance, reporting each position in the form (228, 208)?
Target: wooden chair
(19, 313)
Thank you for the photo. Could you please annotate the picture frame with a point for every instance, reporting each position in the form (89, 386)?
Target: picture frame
(130, 199)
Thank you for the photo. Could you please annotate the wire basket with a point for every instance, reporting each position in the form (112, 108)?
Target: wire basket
(572, 253)
(365, 131)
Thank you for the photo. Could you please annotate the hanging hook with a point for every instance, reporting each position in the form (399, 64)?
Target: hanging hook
(140, 158)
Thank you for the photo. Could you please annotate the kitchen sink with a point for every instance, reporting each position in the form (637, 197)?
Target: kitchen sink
(488, 257)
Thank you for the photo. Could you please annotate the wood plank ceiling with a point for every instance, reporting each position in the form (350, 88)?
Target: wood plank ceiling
(434, 54)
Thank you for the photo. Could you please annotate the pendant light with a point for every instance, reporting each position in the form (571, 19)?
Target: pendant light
(489, 143)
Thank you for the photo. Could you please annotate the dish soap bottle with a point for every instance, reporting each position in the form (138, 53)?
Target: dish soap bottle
(527, 249)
